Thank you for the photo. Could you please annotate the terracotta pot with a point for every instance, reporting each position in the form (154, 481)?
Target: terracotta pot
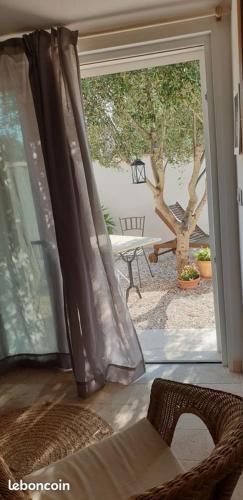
(205, 268)
(188, 284)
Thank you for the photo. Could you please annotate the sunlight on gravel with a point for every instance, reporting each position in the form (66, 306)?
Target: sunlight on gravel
(163, 304)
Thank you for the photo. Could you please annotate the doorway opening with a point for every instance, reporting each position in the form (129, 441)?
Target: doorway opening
(148, 132)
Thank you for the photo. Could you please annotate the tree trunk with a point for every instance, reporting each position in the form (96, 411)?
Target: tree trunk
(185, 227)
(182, 249)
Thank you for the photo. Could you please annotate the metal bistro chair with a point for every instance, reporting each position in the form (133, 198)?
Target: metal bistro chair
(131, 224)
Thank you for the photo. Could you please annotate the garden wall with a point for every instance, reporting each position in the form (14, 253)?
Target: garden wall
(124, 199)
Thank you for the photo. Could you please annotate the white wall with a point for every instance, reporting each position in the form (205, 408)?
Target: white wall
(236, 81)
(124, 199)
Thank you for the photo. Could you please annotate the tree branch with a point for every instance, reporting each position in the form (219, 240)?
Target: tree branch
(152, 187)
(194, 139)
(200, 176)
(199, 118)
(138, 127)
(162, 206)
(165, 165)
(167, 213)
(195, 173)
(189, 212)
(155, 156)
(201, 204)
(150, 99)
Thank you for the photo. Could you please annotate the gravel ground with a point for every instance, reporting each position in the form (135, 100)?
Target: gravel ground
(163, 304)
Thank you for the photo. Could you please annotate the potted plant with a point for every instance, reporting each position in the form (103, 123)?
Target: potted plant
(204, 262)
(189, 277)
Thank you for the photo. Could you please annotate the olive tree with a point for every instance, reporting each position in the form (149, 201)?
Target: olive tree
(156, 112)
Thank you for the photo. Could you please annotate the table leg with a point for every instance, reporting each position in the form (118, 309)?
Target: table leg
(130, 273)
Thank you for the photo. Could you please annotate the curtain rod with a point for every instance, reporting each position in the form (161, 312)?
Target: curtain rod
(218, 13)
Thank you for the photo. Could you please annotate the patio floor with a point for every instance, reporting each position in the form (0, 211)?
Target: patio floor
(172, 324)
(163, 305)
(179, 345)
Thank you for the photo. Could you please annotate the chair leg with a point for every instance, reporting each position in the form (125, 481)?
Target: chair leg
(145, 256)
(139, 277)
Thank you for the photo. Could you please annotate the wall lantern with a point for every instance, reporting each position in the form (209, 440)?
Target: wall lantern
(138, 172)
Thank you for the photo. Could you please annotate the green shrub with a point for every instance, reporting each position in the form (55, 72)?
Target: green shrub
(203, 254)
(109, 221)
(189, 273)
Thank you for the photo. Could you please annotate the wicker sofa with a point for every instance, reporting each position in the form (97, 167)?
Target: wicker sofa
(137, 463)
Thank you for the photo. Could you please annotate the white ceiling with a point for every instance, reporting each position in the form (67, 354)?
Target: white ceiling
(17, 16)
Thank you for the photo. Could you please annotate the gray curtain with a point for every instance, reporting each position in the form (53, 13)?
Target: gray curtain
(32, 323)
(102, 341)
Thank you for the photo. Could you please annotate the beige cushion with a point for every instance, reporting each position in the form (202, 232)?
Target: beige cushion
(124, 464)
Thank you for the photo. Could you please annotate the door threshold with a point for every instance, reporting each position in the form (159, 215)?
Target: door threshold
(180, 362)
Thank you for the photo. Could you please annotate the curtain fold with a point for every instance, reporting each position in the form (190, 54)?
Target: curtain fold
(32, 322)
(103, 343)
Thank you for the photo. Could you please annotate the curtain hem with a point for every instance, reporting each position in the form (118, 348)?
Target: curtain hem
(115, 374)
(57, 360)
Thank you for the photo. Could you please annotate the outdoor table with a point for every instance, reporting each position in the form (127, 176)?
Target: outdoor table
(127, 247)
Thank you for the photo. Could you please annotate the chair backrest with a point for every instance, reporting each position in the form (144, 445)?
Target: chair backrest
(129, 224)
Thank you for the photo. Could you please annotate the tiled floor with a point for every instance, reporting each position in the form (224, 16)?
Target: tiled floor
(121, 405)
(189, 344)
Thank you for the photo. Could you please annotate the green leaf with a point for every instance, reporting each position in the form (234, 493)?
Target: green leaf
(123, 109)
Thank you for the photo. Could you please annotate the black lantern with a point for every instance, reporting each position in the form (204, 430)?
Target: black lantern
(138, 172)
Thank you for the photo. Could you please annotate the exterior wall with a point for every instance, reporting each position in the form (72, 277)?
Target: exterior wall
(236, 81)
(124, 199)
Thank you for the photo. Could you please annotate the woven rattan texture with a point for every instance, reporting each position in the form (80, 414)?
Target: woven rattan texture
(31, 438)
(216, 477)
